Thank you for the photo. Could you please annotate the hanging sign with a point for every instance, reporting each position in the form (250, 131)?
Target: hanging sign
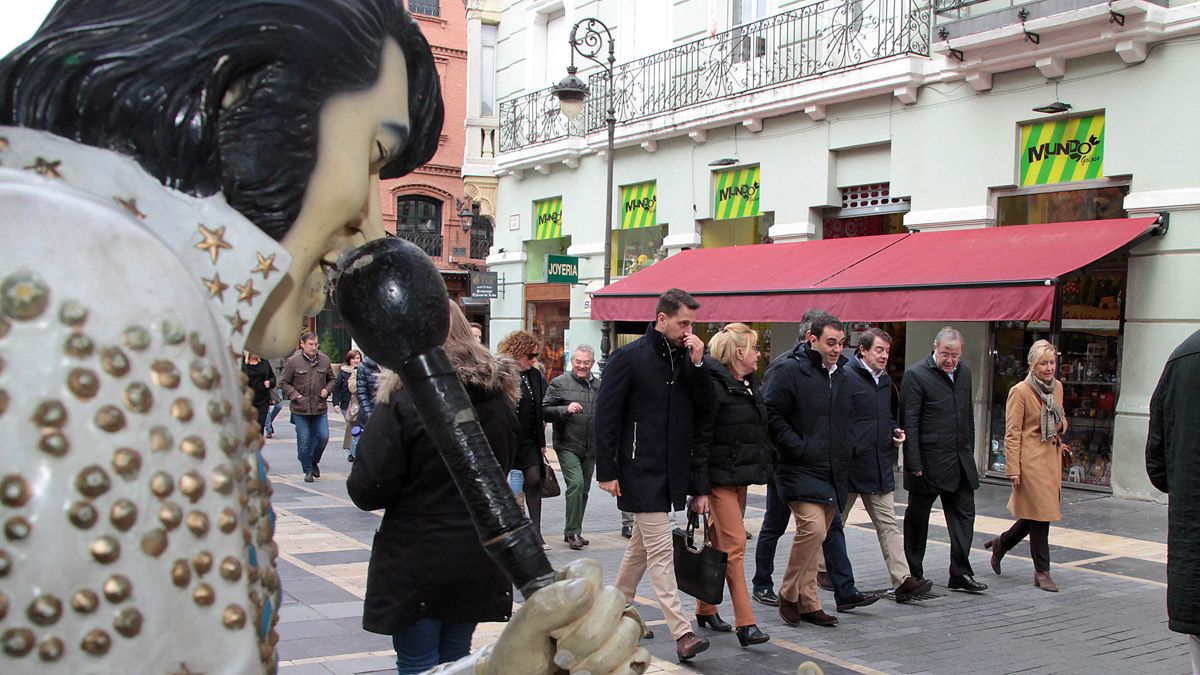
(639, 205)
(736, 193)
(562, 269)
(1062, 150)
(547, 218)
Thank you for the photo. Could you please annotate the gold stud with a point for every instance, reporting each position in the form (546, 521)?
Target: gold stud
(193, 446)
(14, 490)
(172, 332)
(161, 484)
(204, 375)
(123, 514)
(82, 514)
(17, 528)
(228, 444)
(203, 595)
(236, 322)
(96, 642)
(85, 601)
(181, 409)
(154, 542)
(265, 532)
(192, 487)
(220, 480)
(51, 649)
(44, 610)
(72, 313)
(170, 515)
(164, 374)
(128, 622)
(114, 362)
(110, 418)
(92, 481)
(17, 641)
(83, 383)
(117, 588)
(197, 344)
(231, 569)
(136, 338)
(54, 443)
(212, 241)
(126, 462)
(246, 291)
(227, 520)
(214, 285)
(23, 296)
(266, 265)
(161, 439)
(203, 562)
(181, 574)
(233, 617)
(197, 522)
(79, 346)
(106, 549)
(219, 409)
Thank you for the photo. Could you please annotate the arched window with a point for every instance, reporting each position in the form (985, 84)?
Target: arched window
(419, 220)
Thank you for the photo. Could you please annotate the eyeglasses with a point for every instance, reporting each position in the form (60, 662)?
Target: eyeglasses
(531, 356)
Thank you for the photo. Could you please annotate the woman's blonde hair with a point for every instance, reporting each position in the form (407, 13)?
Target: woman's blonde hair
(1037, 349)
(724, 345)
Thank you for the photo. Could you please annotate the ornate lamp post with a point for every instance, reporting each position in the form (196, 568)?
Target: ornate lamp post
(572, 92)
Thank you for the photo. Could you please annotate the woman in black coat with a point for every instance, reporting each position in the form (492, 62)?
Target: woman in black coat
(731, 451)
(429, 581)
(526, 474)
(260, 378)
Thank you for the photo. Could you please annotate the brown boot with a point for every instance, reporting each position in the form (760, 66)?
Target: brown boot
(1043, 581)
(997, 553)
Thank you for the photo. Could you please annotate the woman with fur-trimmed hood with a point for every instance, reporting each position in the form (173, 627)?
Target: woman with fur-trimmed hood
(429, 580)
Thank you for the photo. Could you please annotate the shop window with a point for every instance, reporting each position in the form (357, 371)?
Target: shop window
(636, 249)
(1063, 206)
(419, 220)
(737, 231)
(536, 251)
(867, 210)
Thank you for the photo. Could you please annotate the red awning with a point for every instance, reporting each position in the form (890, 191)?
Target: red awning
(988, 274)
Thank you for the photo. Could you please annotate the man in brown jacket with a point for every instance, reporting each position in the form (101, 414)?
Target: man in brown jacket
(306, 380)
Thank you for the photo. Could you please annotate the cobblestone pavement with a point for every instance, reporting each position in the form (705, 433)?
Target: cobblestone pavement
(1108, 557)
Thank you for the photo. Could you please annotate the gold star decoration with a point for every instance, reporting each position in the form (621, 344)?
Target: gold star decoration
(44, 168)
(131, 206)
(246, 291)
(216, 287)
(236, 322)
(266, 265)
(214, 241)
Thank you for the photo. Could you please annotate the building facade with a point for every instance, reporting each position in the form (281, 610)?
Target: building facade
(743, 122)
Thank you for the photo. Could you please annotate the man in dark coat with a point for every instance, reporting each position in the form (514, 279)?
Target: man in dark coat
(652, 389)
(939, 458)
(808, 410)
(874, 433)
(570, 405)
(1173, 464)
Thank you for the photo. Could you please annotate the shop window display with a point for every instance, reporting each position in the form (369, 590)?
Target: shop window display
(636, 249)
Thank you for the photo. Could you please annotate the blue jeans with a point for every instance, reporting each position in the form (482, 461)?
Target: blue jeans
(837, 562)
(312, 434)
(775, 522)
(516, 481)
(429, 642)
(274, 412)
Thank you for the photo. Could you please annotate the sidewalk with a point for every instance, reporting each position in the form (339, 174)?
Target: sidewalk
(1108, 557)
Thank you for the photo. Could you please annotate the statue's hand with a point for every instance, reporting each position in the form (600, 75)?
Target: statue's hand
(575, 624)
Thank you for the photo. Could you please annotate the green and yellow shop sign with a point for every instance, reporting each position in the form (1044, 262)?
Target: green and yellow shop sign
(736, 193)
(639, 205)
(547, 218)
(1062, 150)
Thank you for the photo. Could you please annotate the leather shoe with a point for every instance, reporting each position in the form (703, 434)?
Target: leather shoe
(997, 553)
(713, 621)
(966, 583)
(627, 532)
(820, 618)
(567, 539)
(912, 587)
(751, 635)
(823, 581)
(575, 542)
(316, 472)
(859, 599)
(1043, 581)
(789, 612)
(308, 477)
(766, 596)
(689, 645)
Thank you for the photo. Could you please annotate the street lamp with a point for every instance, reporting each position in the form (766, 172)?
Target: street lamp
(572, 92)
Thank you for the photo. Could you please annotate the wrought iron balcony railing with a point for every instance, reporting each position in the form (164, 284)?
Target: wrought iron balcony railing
(480, 247)
(426, 7)
(819, 38)
(429, 242)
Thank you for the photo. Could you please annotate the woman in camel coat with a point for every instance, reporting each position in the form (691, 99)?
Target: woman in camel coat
(1033, 428)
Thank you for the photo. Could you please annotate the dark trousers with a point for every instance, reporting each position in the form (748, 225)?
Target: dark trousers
(775, 521)
(959, 508)
(837, 561)
(1039, 541)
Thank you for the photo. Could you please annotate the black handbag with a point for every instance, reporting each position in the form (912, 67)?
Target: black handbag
(700, 572)
(550, 487)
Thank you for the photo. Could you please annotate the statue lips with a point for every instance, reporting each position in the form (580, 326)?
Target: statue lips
(394, 301)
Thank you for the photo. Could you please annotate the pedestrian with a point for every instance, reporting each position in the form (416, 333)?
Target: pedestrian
(939, 457)
(1173, 464)
(430, 581)
(653, 388)
(477, 330)
(306, 380)
(344, 398)
(730, 451)
(874, 435)
(1034, 423)
(526, 474)
(570, 406)
(260, 379)
(276, 402)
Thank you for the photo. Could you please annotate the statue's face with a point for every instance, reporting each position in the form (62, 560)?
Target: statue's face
(358, 132)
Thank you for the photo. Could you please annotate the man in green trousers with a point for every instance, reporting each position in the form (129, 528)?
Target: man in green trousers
(570, 405)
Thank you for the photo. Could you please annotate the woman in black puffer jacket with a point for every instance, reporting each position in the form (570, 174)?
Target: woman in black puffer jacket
(429, 581)
(730, 451)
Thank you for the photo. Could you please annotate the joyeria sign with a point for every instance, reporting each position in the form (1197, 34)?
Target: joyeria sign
(1062, 150)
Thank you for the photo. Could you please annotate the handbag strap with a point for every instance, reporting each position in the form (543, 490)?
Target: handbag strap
(693, 519)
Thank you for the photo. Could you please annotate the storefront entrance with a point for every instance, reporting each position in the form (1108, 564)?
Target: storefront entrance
(548, 316)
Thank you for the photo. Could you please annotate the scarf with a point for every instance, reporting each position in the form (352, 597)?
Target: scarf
(1052, 413)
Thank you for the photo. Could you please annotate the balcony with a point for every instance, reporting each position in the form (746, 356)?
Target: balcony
(820, 38)
(429, 242)
(425, 7)
(480, 247)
